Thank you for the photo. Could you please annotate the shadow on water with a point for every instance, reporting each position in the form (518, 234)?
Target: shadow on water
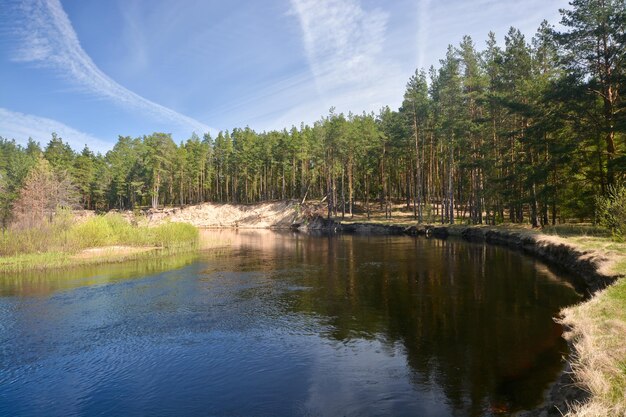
(264, 323)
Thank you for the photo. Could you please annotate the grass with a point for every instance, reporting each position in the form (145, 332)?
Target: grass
(598, 331)
(579, 230)
(113, 229)
(65, 242)
(27, 260)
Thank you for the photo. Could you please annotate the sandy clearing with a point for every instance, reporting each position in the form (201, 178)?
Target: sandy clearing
(112, 251)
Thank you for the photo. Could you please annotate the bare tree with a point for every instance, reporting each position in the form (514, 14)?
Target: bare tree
(44, 192)
(5, 211)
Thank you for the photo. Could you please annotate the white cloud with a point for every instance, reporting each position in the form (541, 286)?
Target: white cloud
(422, 31)
(346, 49)
(341, 39)
(20, 126)
(48, 39)
(449, 21)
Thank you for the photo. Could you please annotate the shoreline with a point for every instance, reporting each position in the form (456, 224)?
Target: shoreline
(72, 240)
(589, 265)
(103, 255)
(596, 268)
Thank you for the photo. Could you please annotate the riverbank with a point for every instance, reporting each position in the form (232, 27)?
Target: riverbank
(69, 241)
(595, 329)
(594, 381)
(271, 215)
(90, 256)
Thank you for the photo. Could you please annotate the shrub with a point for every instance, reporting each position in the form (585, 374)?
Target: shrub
(64, 235)
(93, 232)
(172, 235)
(611, 210)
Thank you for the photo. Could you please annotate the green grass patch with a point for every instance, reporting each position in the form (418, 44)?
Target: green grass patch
(112, 229)
(617, 294)
(28, 260)
(620, 268)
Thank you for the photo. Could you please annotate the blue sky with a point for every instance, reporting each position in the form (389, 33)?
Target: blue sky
(91, 70)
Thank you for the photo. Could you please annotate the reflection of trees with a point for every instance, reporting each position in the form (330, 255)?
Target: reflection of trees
(30, 283)
(474, 319)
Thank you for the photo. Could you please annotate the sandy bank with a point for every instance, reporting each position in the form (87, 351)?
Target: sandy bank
(272, 215)
(112, 252)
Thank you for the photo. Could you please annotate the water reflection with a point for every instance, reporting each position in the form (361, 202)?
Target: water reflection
(265, 323)
(44, 283)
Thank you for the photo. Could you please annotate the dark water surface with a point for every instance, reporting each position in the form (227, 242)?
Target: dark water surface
(286, 325)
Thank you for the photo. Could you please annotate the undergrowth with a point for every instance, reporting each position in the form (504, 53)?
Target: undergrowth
(51, 244)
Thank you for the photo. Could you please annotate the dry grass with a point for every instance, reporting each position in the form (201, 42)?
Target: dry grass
(599, 332)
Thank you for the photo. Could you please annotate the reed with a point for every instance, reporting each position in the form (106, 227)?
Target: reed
(59, 243)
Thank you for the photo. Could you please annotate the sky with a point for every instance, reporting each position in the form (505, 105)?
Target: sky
(91, 70)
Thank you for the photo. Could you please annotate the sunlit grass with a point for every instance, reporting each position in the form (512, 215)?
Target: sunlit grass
(29, 260)
(599, 328)
(582, 229)
(59, 243)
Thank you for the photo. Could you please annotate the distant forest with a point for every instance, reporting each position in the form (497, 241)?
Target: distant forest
(529, 131)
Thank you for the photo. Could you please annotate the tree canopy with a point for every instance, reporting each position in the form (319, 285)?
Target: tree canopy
(529, 131)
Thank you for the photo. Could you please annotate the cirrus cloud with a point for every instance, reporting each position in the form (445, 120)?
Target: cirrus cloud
(21, 127)
(47, 38)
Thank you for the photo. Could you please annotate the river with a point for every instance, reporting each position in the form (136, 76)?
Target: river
(281, 324)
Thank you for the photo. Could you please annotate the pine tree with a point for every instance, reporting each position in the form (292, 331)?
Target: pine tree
(596, 46)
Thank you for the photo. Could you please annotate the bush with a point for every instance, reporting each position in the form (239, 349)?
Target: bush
(172, 235)
(113, 229)
(611, 210)
(31, 240)
(64, 235)
(93, 232)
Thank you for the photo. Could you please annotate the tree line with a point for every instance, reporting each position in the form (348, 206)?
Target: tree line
(529, 131)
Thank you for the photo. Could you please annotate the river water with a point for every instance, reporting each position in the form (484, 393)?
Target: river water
(274, 324)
